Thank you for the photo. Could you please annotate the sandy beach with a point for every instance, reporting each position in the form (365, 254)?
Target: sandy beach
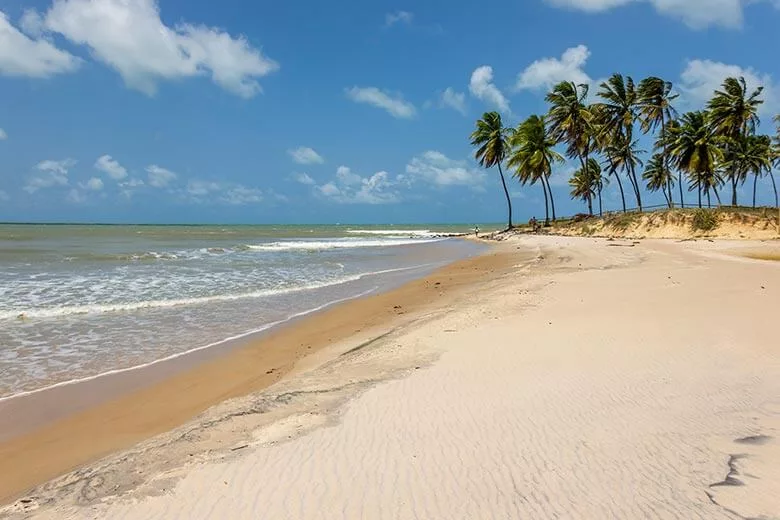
(554, 377)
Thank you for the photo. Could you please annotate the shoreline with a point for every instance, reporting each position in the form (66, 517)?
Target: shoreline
(162, 396)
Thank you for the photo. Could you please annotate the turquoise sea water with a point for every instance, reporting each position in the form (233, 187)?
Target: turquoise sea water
(80, 300)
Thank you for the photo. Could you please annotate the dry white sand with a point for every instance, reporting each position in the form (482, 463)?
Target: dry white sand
(605, 380)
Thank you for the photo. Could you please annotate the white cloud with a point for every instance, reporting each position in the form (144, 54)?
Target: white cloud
(345, 176)
(3, 135)
(75, 196)
(305, 155)
(701, 78)
(160, 177)
(49, 173)
(454, 100)
(548, 72)
(697, 14)
(404, 17)
(21, 55)
(241, 195)
(435, 168)
(108, 165)
(350, 188)
(129, 36)
(303, 178)
(481, 86)
(93, 184)
(198, 188)
(395, 105)
(128, 187)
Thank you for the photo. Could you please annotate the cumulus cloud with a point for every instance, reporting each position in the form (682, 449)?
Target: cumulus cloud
(701, 78)
(303, 178)
(111, 167)
(48, 174)
(93, 184)
(697, 14)
(404, 17)
(160, 177)
(351, 188)
(241, 195)
(481, 86)
(203, 191)
(3, 135)
(394, 104)
(453, 99)
(548, 72)
(128, 187)
(34, 57)
(305, 155)
(435, 168)
(130, 37)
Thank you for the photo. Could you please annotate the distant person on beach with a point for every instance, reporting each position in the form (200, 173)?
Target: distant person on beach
(534, 225)
(476, 231)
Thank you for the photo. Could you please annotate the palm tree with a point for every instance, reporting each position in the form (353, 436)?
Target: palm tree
(533, 156)
(696, 152)
(617, 114)
(734, 115)
(750, 154)
(657, 176)
(667, 140)
(492, 139)
(622, 155)
(571, 120)
(655, 110)
(586, 182)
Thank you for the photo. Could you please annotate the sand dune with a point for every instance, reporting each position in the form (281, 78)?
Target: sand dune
(600, 380)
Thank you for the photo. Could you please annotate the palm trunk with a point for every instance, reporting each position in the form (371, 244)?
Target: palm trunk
(755, 182)
(552, 199)
(590, 205)
(709, 201)
(717, 196)
(734, 191)
(620, 187)
(680, 182)
(546, 208)
(699, 190)
(631, 180)
(636, 184)
(665, 160)
(601, 210)
(506, 192)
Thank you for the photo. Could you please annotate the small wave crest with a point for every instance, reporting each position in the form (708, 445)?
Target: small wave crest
(102, 308)
(347, 243)
(416, 233)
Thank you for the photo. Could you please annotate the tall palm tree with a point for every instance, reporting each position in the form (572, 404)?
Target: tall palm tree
(696, 152)
(667, 139)
(586, 182)
(622, 156)
(734, 115)
(492, 139)
(655, 110)
(533, 156)
(658, 176)
(617, 113)
(571, 120)
(750, 154)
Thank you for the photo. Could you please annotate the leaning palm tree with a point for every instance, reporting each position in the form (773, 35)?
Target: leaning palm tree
(533, 156)
(655, 111)
(734, 115)
(492, 139)
(617, 113)
(658, 177)
(571, 120)
(750, 154)
(667, 140)
(696, 152)
(585, 183)
(622, 156)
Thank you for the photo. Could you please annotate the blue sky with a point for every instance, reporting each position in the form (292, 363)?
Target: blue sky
(306, 112)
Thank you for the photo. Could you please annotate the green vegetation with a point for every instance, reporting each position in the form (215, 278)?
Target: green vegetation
(702, 150)
(704, 220)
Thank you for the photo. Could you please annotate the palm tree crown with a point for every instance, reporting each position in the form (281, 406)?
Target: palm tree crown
(491, 138)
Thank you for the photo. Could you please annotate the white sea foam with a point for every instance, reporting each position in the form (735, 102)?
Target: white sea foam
(193, 350)
(346, 243)
(68, 310)
(421, 233)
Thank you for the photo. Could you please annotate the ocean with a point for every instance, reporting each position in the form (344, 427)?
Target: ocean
(77, 301)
